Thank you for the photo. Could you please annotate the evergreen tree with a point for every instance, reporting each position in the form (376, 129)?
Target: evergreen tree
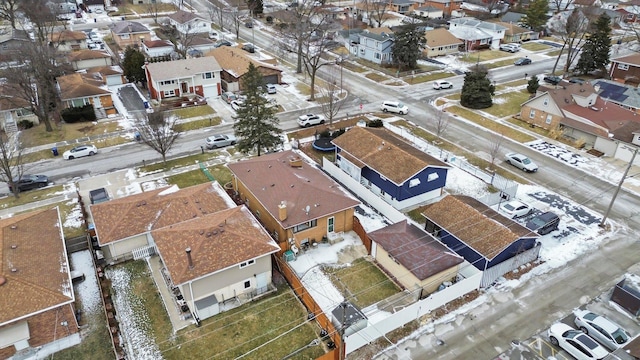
(256, 125)
(536, 16)
(477, 90)
(533, 84)
(407, 47)
(256, 7)
(132, 65)
(595, 52)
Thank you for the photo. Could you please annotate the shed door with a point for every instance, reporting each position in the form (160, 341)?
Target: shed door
(261, 283)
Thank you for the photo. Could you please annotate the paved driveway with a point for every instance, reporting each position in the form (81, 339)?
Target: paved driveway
(131, 99)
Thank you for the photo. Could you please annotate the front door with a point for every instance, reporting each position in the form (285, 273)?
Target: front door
(330, 222)
(261, 283)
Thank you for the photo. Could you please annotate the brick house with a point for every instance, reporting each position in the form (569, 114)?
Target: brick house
(626, 69)
(234, 63)
(82, 89)
(447, 6)
(440, 42)
(186, 77)
(130, 33)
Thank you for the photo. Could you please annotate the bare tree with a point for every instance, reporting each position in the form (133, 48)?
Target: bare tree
(11, 161)
(300, 25)
(182, 41)
(376, 11)
(216, 14)
(440, 122)
(573, 32)
(8, 9)
(558, 6)
(233, 20)
(332, 98)
(495, 145)
(157, 131)
(153, 9)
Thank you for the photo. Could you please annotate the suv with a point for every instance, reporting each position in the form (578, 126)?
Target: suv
(271, 88)
(510, 47)
(229, 97)
(394, 107)
(552, 79)
(218, 141)
(544, 223)
(441, 84)
(310, 119)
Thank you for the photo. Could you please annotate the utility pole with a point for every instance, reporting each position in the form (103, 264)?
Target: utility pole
(343, 305)
(615, 194)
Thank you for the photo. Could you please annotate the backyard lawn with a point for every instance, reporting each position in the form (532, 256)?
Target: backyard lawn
(38, 135)
(507, 104)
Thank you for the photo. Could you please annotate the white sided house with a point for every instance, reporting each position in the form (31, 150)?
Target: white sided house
(186, 77)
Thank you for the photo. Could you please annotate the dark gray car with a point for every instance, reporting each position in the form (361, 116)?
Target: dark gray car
(544, 223)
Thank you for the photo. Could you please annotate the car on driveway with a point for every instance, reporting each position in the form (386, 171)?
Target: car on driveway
(28, 182)
(521, 162)
(544, 223)
(608, 333)
(441, 84)
(515, 209)
(235, 104)
(271, 88)
(576, 343)
(249, 48)
(310, 120)
(220, 140)
(510, 47)
(80, 151)
(222, 43)
(228, 97)
(522, 61)
(552, 79)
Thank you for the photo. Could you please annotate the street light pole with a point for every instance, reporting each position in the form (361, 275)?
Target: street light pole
(615, 194)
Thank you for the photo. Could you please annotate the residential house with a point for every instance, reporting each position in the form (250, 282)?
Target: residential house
(12, 41)
(414, 258)
(489, 241)
(372, 46)
(404, 7)
(198, 46)
(235, 63)
(511, 17)
(186, 77)
(36, 296)
(189, 23)
(297, 203)
(14, 109)
(440, 42)
(110, 75)
(629, 15)
(429, 12)
(77, 90)
(212, 249)
(390, 167)
(130, 33)
(477, 34)
(68, 40)
(157, 48)
(517, 34)
(448, 7)
(626, 69)
(624, 95)
(84, 59)
(94, 5)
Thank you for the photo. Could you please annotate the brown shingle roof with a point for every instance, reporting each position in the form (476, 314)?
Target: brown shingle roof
(41, 279)
(86, 54)
(234, 60)
(158, 43)
(7, 99)
(217, 241)
(271, 180)
(138, 214)
(67, 35)
(183, 17)
(633, 59)
(78, 85)
(416, 250)
(386, 153)
(106, 70)
(440, 37)
(474, 223)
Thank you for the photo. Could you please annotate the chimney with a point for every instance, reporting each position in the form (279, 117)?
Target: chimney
(282, 211)
(129, 28)
(188, 251)
(295, 162)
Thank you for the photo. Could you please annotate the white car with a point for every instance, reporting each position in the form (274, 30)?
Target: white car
(602, 329)
(394, 107)
(521, 162)
(310, 120)
(80, 151)
(441, 84)
(576, 343)
(515, 209)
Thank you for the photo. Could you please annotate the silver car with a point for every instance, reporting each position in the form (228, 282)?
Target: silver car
(575, 342)
(218, 141)
(521, 162)
(602, 329)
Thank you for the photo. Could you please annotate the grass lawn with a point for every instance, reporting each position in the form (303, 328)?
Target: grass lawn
(303, 89)
(198, 124)
(499, 63)
(353, 67)
(554, 53)
(308, 132)
(535, 46)
(194, 177)
(38, 135)
(483, 55)
(427, 77)
(96, 342)
(362, 283)
(455, 96)
(31, 196)
(180, 162)
(508, 103)
(491, 125)
(233, 333)
(376, 77)
(127, 8)
(511, 84)
(193, 111)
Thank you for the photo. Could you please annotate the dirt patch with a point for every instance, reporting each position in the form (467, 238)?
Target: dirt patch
(350, 253)
(516, 274)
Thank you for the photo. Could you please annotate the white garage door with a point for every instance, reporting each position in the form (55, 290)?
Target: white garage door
(210, 91)
(207, 307)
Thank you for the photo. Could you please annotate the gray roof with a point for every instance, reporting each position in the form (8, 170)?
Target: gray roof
(511, 17)
(475, 23)
(379, 37)
(168, 70)
(13, 34)
(122, 27)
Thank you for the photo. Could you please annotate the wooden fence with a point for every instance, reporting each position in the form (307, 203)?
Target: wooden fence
(362, 233)
(312, 307)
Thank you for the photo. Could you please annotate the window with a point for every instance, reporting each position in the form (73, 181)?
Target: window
(169, 93)
(546, 102)
(483, 42)
(258, 214)
(432, 228)
(532, 113)
(208, 75)
(247, 284)
(623, 67)
(124, 36)
(330, 224)
(433, 176)
(23, 112)
(305, 226)
(549, 117)
(377, 55)
(167, 82)
(244, 264)
(414, 182)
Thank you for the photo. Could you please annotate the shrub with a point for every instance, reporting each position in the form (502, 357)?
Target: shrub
(25, 124)
(325, 134)
(337, 133)
(78, 114)
(375, 123)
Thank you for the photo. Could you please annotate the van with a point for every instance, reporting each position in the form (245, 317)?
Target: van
(394, 107)
(544, 223)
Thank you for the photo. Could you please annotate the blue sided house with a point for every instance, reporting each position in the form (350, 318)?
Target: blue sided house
(390, 167)
(489, 241)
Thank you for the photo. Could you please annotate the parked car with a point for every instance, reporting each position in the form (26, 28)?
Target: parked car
(271, 88)
(28, 182)
(576, 343)
(522, 61)
(248, 47)
(248, 24)
(515, 209)
(552, 79)
(80, 151)
(222, 43)
(521, 162)
(310, 119)
(98, 196)
(220, 140)
(442, 84)
(394, 107)
(510, 47)
(576, 81)
(229, 97)
(235, 104)
(608, 333)
(544, 223)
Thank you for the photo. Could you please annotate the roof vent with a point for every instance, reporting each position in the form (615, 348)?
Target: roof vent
(215, 232)
(272, 185)
(201, 232)
(3, 280)
(221, 231)
(14, 246)
(291, 186)
(13, 227)
(186, 201)
(594, 108)
(13, 270)
(144, 202)
(197, 201)
(209, 234)
(221, 225)
(195, 215)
